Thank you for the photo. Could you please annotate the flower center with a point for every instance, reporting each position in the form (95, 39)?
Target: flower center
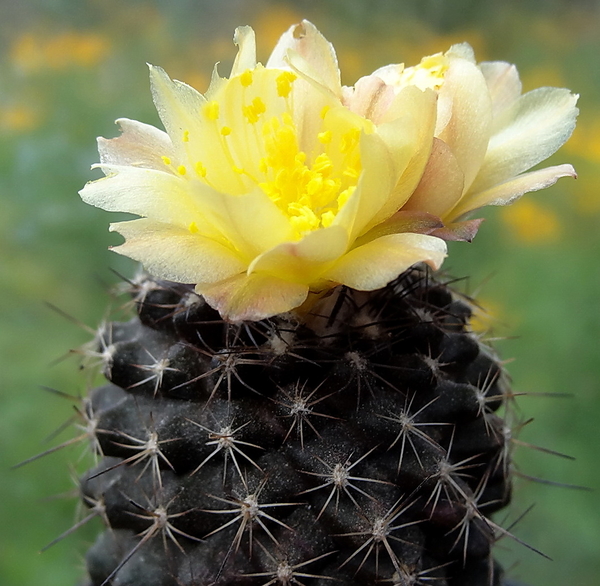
(428, 74)
(309, 175)
(310, 193)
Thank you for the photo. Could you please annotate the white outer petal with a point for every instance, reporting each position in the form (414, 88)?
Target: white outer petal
(318, 58)
(503, 83)
(176, 254)
(139, 145)
(245, 39)
(511, 190)
(531, 130)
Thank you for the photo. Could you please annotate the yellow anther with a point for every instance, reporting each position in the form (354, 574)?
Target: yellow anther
(181, 170)
(323, 164)
(352, 172)
(259, 105)
(284, 83)
(345, 196)
(327, 219)
(186, 136)
(246, 78)
(211, 110)
(166, 160)
(193, 228)
(325, 137)
(200, 169)
(254, 110)
(324, 111)
(225, 131)
(238, 170)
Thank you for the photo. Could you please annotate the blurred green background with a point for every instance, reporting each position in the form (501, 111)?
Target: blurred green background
(68, 68)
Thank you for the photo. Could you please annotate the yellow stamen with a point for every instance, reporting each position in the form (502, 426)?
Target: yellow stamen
(181, 170)
(324, 111)
(246, 78)
(166, 160)
(193, 228)
(211, 110)
(200, 169)
(186, 136)
(253, 111)
(284, 83)
(225, 131)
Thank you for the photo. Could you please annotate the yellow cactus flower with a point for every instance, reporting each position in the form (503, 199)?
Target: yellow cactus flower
(487, 134)
(268, 186)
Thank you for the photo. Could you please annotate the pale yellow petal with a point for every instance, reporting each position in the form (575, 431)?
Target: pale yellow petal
(391, 74)
(370, 97)
(462, 51)
(310, 52)
(375, 264)
(529, 131)
(409, 139)
(153, 194)
(139, 145)
(509, 191)
(373, 189)
(441, 185)
(251, 221)
(245, 40)
(503, 83)
(467, 132)
(176, 254)
(253, 297)
(177, 103)
(306, 260)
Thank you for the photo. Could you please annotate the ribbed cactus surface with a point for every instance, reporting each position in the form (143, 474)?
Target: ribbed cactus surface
(355, 444)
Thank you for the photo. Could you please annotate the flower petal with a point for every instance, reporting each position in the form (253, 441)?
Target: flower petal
(251, 221)
(153, 194)
(306, 260)
(375, 264)
(373, 188)
(459, 231)
(253, 297)
(503, 83)
(468, 130)
(402, 221)
(245, 40)
(370, 97)
(509, 191)
(311, 53)
(441, 185)
(178, 106)
(139, 145)
(176, 254)
(409, 139)
(531, 130)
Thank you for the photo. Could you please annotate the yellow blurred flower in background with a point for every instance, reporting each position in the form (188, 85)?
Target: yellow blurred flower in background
(532, 223)
(32, 53)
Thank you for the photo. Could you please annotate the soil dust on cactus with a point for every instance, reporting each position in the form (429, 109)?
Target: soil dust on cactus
(299, 398)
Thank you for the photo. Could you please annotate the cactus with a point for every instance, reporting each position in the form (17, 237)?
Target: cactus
(300, 397)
